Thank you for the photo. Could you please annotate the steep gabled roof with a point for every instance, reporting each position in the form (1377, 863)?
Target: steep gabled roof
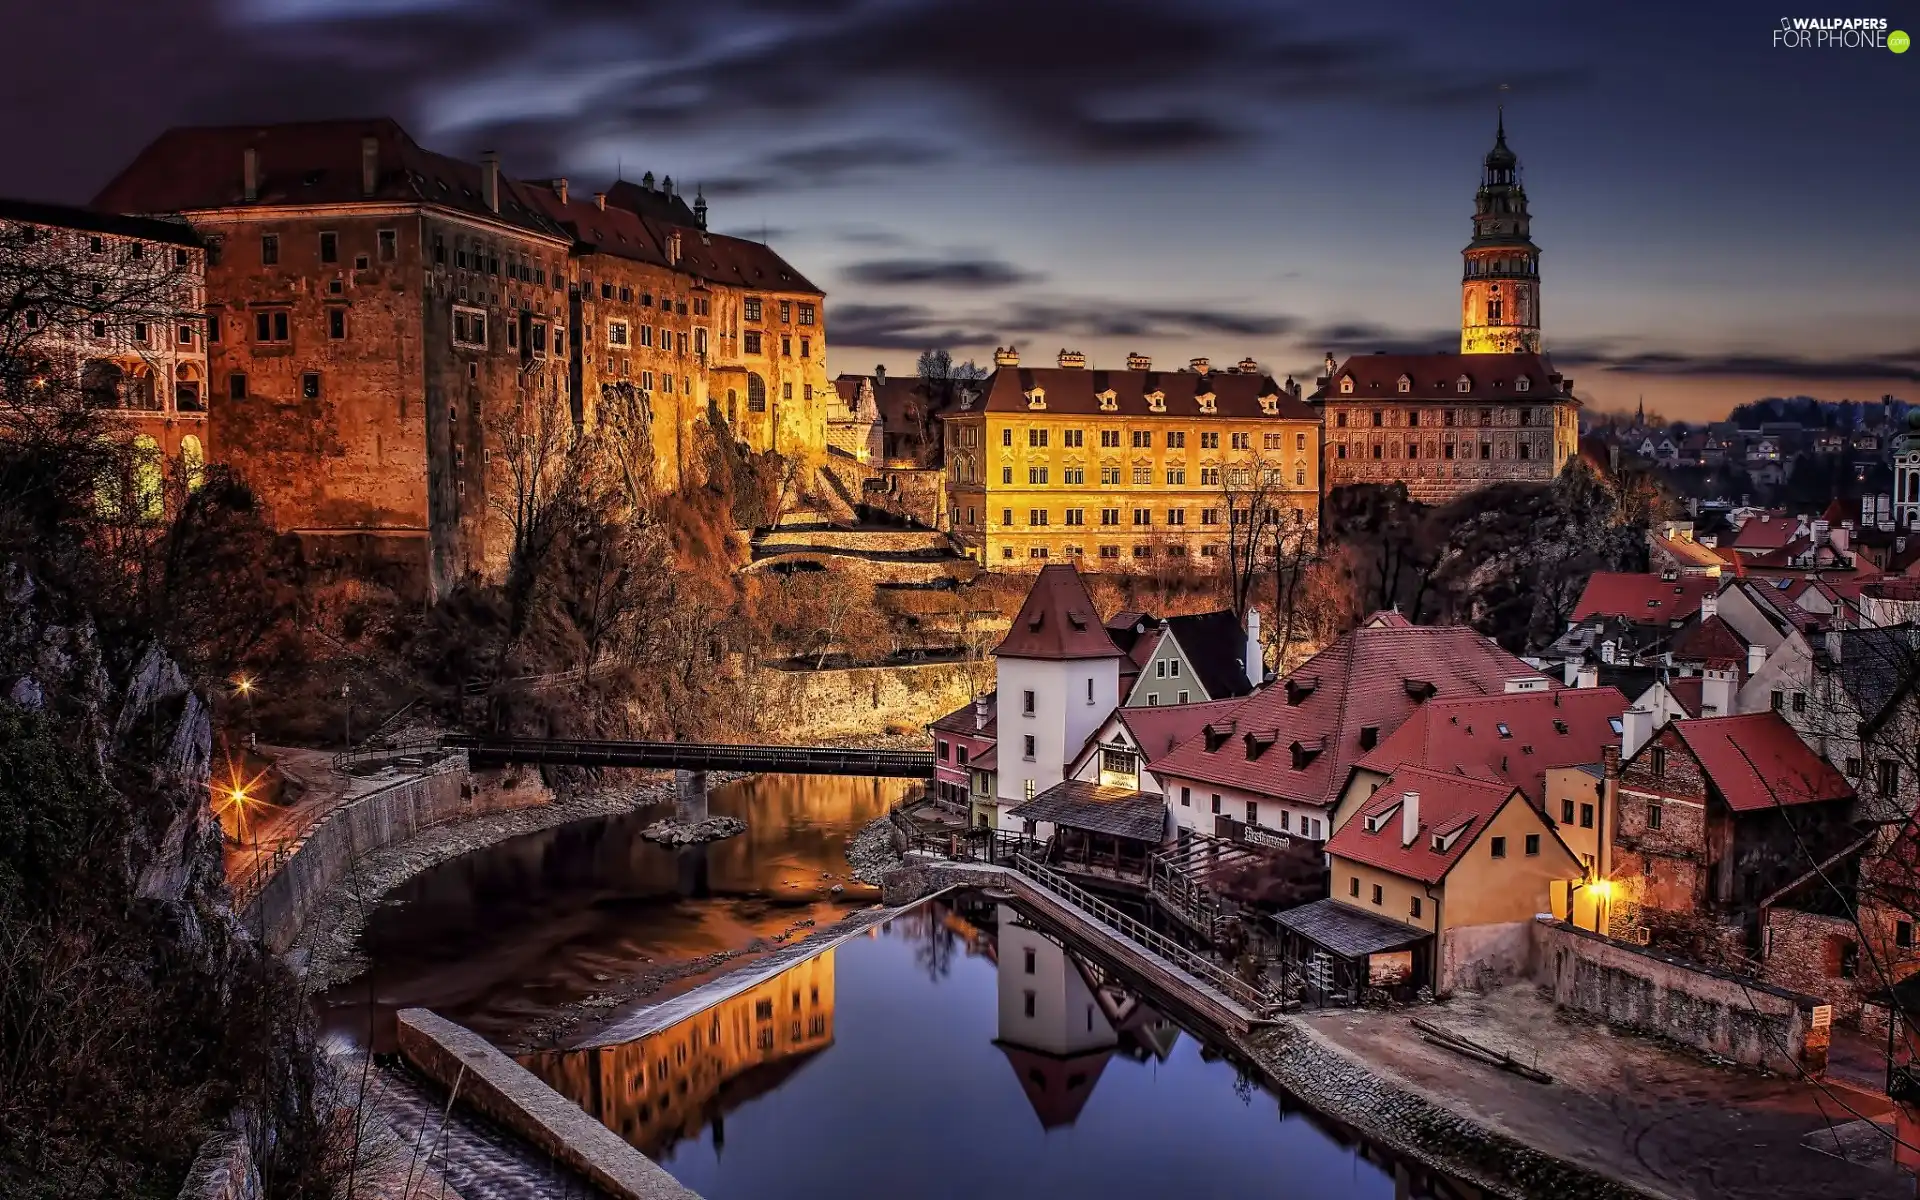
(1713, 642)
(1643, 598)
(1216, 646)
(1363, 686)
(1159, 730)
(1058, 620)
(1763, 532)
(1452, 807)
(1514, 739)
(1755, 761)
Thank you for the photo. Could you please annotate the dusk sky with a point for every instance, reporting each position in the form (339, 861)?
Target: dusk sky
(1720, 219)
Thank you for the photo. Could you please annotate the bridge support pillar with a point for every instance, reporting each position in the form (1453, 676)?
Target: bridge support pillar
(690, 796)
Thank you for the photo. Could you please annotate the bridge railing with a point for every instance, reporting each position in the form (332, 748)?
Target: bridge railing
(699, 756)
(1252, 996)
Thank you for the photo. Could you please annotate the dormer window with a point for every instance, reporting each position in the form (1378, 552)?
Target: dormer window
(1270, 405)
(1037, 398)
(1346, 385)
(1109, 401)
(1463, 385)
(1369, 736)
(1378, 821)
(1206, 401)
(1522, 384)
(1406, 385)
(1156, 402)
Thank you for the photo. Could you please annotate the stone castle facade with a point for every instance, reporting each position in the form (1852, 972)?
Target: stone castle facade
(1497, 411)
(375, 311)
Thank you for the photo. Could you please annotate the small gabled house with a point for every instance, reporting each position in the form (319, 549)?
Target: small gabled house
(1464, 863)
(1717, 813)
(1189, 659)
(962, 740)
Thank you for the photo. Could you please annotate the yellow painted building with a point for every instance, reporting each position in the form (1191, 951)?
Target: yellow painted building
(1126, 469)
(1467, 860)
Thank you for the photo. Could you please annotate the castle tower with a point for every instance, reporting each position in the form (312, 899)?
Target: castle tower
(1500, 289)
(1906, 476)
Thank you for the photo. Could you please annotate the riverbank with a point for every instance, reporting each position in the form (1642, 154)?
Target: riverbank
(328, 944)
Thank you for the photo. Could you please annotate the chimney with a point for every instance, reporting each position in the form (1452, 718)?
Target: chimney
(369, 165)
(560, 190)
(666, 185)
(1709, 606)
(1588, 676)
(250, 174)
(1409, 818)
(879, 374)
(1719, 692)
(1293, 387)
(600, 201)
(1756, 658)
(1008, 356)
(1834, 643)
(1248, 366)
(1073, 359)
(1256, 662)
(1610, 762)
(490, 180)
(1199, 366)
(1139, 362)
(1636, 726)
(979, 712)
(673, 248)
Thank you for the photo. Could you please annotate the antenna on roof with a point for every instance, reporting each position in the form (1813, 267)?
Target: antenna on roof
(619, 168)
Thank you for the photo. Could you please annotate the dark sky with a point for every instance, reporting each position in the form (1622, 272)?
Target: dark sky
(1720, 218)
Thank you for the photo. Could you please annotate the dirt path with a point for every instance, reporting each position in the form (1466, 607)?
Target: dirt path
(1659, 1118)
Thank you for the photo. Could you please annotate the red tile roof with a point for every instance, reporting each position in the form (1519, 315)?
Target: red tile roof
(1437, 377)
(1077, 391)
(1692, 553)
(1763, 532)
(1642, 598)
(1713, 642)
(1448, 803)
(1756, 761)
(1373, 678)
(1688, 692)
(1058, 620)
(1158, 731)
(1564, 728)
(308, 163)
(962, 720)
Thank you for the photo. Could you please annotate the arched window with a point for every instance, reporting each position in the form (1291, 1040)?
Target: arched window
(1494, 309)
(189, 395)
(193, 462)
(1346, 386)
(756, 394)
(100, 383)
(139, 391)
(147, 478)
(1406, 384)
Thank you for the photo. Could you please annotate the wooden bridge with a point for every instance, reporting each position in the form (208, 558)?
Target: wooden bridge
(694, 756)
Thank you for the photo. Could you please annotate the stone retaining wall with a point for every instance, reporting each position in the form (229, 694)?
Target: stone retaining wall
(815, 705)
(223, 1170)
(371, 822)
(1633, 987)
(487, 1081)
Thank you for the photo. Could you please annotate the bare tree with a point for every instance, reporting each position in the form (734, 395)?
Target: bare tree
(1254, 494)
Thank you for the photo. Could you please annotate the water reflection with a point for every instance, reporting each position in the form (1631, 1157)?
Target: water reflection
(500, 938)
(881, 1068)
(671, 1085)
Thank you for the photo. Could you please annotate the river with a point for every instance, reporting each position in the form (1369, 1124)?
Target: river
(957, 1051)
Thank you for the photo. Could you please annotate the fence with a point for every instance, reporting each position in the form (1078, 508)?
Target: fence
(1251, 995)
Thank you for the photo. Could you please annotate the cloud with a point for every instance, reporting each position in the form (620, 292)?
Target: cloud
(1903, 366)
(1364, 337)
(825, 164)
(1100, 318)
(972, 273)
(900, 327)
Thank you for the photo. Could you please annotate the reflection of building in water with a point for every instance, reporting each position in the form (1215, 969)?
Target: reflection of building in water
(667, 1086)
(1062, 1018)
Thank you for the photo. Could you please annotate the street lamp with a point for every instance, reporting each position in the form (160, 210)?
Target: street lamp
(244, 685)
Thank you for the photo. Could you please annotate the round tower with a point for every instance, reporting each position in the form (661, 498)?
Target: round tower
(1500, 287)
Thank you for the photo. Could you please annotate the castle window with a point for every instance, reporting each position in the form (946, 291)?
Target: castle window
(1378, 419)
(310, 385)
(336, 323)
(389, 243)
(752, 343)
(1522, 384)
(270, 327)
(1406, 385)
(236, 386)
(269, 249)
(329, 247)
(1463, 384)
(756, 394)
(619, 333)
(1339, 420)
(1346, 386)
(1494, 310)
